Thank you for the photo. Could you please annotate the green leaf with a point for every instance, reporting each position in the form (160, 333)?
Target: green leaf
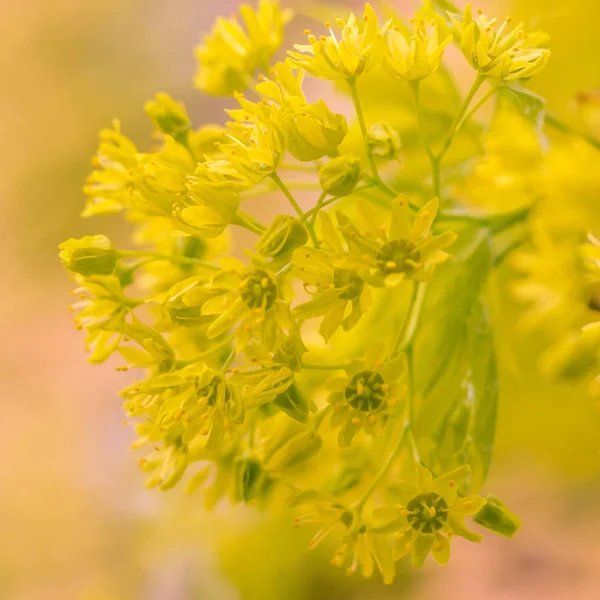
(529, 104)
(455, 378)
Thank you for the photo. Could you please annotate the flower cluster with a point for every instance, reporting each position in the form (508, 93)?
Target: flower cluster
(300, 361)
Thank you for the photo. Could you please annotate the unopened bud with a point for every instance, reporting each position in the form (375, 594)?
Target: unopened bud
(340, 175)
(384, 141)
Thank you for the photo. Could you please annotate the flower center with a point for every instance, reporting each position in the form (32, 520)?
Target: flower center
(366, 391)
(351, 284)
(211, 392)
(258, 289)
(398, 256)
(427, 512)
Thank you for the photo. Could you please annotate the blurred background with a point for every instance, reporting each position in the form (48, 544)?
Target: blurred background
(75, 519)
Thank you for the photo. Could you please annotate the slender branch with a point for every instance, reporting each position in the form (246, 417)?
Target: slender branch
(461, 113)
(190, 361)
(184, 260)
(296, 207)
(362, 124)
(434, 160)
(500, 258)
(320, 416)
(382, 472)
(228, 361)
(329, 201)
(477, 106)
(318, 206)
(560, 125)
(325, 367)
(243, 219)
(287, 194)
(407, 333)
(504, 222)
(378, 182)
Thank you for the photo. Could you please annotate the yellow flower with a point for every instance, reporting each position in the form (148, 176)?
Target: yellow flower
(364, 548)
(109, 186)
(179, 406)
(361, 47)
(212, 199)
(367, 396)
(419, 56)
(90, 255)
(507, 176)
(257, 144)
(247, 299)
(561, 288)
(398, 251)
(312, 130)
(340, 296)
(430, 512)
(101, 309)
(169, 117)
(230, 54)
(503, 53)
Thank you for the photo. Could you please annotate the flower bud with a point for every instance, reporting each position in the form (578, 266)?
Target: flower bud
(313, 131)
(284, 235)
(90, 255)
(247, 478)
(384, 140)
(168, 116)
(340, 175)
(185, 299)
(496, 517)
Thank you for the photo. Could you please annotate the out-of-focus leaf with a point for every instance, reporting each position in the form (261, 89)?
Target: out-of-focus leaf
(455, 382)
(529, 104)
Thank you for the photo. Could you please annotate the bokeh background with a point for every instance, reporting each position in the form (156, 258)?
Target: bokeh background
(75, 519)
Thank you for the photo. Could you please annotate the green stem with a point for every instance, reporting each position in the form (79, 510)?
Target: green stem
(362, 124)
(228, 361)
(461, 113)
(382, 472)
(183, 260)
(318, 206)
(287, 194)
(252, 428)
(560, 125)
(384, 187)
(325, 367)
(296, 207)
(434, 160)
(479, 104)
(320, 417)
(504, 222)
(243, 219)
(325, 203)
(190, 361)
(500, 258)
(407, 333)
